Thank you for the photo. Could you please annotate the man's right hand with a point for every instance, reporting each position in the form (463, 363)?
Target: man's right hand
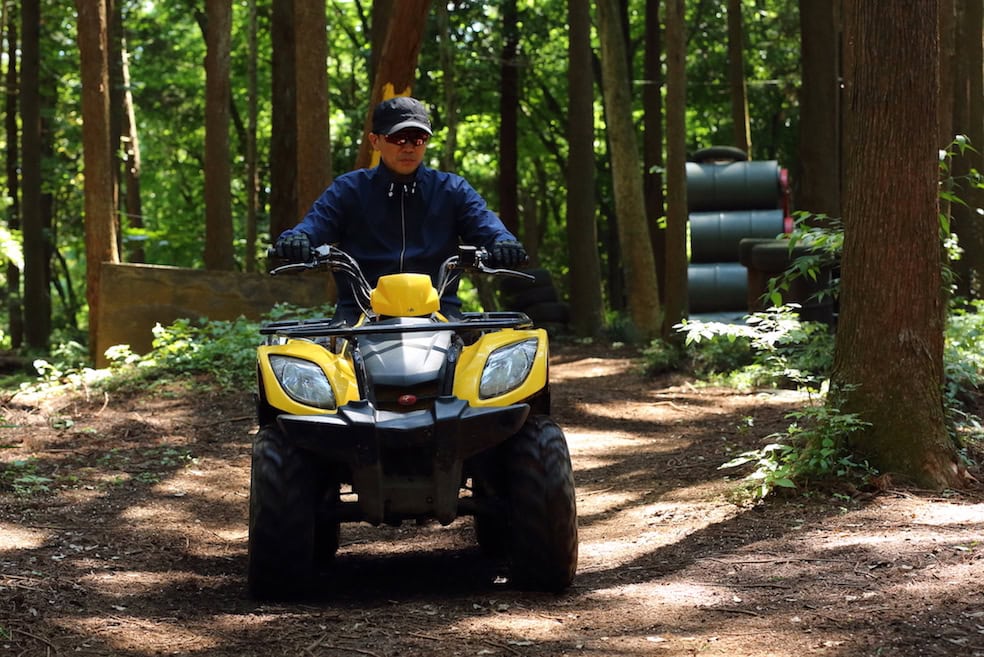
(295, 247)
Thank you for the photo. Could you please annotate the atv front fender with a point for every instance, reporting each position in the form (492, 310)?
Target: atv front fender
(358, 435)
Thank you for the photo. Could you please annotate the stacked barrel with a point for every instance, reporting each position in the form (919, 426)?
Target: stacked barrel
(729, 199)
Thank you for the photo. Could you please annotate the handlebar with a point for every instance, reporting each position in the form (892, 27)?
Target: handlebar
(331, 258)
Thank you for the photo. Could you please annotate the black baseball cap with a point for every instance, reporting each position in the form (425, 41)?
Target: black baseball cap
(398, 114)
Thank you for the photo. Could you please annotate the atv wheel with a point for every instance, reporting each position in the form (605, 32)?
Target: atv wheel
(491, 526)
(543, 512)
(283, 497)
(326, 529)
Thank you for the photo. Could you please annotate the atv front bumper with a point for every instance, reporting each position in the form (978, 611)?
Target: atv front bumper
(367, 440)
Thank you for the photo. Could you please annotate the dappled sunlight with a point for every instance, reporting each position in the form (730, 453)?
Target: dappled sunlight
(590, 368)
(14, 537)
(135, 583)
(949, 514)
(140, 636)
(632, 534)
(513, 625)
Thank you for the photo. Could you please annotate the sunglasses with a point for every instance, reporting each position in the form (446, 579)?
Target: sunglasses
(403, 138)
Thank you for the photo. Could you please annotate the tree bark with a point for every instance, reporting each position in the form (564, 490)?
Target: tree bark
(397, 63)
(888, 362)
(313, 143)
(449, 87)
(284, 212)
(676, 286)
(219, 253)
(968, 120)
(509, 120)
(736, 78)
(633, 232)
(652, 146)
(100, 219)
(818, 180)
(252, 176)
(37, 293)
(587, 311)
(132, 204)
(15, 309)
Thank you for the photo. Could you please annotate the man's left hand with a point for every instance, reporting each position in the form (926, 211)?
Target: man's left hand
(508, 253)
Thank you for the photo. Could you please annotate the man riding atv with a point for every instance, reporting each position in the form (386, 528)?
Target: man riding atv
(400, 216)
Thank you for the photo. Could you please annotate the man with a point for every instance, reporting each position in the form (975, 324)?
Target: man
(400, 216)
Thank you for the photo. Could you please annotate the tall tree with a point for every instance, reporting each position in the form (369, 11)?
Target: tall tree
(652, 146)
(633, 232)
(218, 178)
(509, 119)
(15, 310)
(449, 88)
(587, 311)
(736, 77)
(37, 268)
(968, 120)
(132, 205)
(888, 362)
(252, 175)
(100, 211)
(397, 63)
(818, 180)
(676, 289)
(313, 143)
(284, 211)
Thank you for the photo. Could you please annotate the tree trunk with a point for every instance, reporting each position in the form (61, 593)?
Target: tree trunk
(397, 63)
(219, 253)
(131, 150)
(284, 212)
(818, 180)
(313, 143)
(968, 119)
(15, 309)
(587, 311)
(509, 119)
(676, 286)
(888, 362)
(37, 294)
(652, 146)
(736, 78)
(449, 86)
(252, 177)
(633, 232)
(100, 219)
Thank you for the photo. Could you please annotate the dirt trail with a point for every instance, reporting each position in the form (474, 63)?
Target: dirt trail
(139, 545)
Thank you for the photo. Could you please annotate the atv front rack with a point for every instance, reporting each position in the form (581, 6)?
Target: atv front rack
(317, 328)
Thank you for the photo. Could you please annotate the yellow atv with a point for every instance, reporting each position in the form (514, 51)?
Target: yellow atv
(407, 416)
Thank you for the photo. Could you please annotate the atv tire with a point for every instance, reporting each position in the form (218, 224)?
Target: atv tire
(543, 513)
(491, 525)
(283, 500)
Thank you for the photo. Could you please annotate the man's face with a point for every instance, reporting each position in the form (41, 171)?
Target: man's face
(402, 151)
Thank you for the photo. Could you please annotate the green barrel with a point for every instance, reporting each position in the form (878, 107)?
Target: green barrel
(717, 287)
(715, 236)
(755, 185)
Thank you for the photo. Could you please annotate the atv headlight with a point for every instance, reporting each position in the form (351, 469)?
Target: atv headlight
(507, 368)
(304, 381)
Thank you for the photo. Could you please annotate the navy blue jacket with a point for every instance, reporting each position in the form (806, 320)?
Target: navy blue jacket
(391, 226)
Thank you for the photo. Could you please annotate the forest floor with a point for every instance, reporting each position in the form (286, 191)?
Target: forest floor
(123, 531)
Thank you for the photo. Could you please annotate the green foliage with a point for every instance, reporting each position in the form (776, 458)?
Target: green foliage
(813, 447)
(223, 351)
(824, 236)
(772, 349)
(22, 477)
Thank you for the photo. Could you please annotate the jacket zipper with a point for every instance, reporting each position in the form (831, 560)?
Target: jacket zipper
(403, 224)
